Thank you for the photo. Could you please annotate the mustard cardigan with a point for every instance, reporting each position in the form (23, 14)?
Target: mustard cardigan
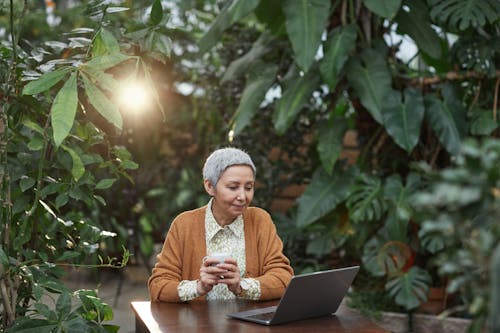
(185, 246)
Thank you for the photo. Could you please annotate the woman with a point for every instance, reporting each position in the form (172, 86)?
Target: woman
(257, 269)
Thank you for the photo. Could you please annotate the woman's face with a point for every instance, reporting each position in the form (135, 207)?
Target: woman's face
(233, 192)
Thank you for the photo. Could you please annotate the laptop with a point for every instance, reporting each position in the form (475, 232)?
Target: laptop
(306, 296)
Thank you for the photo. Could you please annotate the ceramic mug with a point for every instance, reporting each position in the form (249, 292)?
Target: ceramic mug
(219, 256)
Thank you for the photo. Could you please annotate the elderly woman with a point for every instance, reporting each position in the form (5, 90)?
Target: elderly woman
(257, 269)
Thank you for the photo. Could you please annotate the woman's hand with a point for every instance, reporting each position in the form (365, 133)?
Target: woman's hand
(231, 276)
(212, 273)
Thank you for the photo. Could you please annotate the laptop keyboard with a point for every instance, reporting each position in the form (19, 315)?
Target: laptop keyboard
(263, 316)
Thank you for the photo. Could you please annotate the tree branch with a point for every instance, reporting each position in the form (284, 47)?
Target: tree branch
(451, 76)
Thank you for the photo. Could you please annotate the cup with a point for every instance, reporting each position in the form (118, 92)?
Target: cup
(219, 256)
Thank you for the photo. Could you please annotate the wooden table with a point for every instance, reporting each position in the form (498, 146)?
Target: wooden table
(156, 317)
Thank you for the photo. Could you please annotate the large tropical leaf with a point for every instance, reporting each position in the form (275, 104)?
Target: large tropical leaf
(446, 119)
(463, 14)
(241, 65)
(63, 110)
(46, 81)
(410, 289)
(399, 196)
(101, 103)
(415, 22)
(305, 23)
(323, 194)
(366, 202)
(403, 119)
(383, 8)
(370, 77)
(294, 98)
(270, 12)
(370, 255)
(230, 14)
(338, 46)
(253, 95)
(330, 140)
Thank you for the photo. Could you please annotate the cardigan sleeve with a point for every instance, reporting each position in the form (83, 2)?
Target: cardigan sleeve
(166, 274)
(276, 271)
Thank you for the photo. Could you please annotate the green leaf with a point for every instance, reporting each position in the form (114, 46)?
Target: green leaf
(36, 143)
(465, 14)
(370, 255)
(370, 77)
(61, 200)
(33, 126)
(30, 325)
(102, 104)
(321, 245)
(305, 22)
(366, 201)
(26, 183)
(494, 310)
(156, 14)
(410, 289)
(109, 42)
(383, 8)
(63, 110)
(253, 96)
(4, 259)
(416, 24)
(103, 79)
(323, 195)
(270, 12)
(338, 47)
(241, 65)
(442, 122)
(295, 96)
(483, 122)
(77, 168)
(330, 142)
(45, 82)
(105, 183)
(106, 61)
(403, 119)
(232, 13)
(63, 305)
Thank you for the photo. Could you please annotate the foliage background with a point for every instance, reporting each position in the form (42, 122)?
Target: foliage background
(289, 81)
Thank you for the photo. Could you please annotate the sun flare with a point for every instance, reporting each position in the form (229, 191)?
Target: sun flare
(134, 97)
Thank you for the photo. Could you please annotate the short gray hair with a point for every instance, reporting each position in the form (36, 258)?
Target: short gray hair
(223, 158)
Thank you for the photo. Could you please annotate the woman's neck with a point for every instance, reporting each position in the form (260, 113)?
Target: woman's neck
(221, 218)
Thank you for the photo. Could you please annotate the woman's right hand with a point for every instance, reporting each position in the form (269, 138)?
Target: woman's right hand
(210, 275)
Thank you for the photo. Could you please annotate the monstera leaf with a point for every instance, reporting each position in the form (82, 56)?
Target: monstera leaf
(366, 202)
(410, 289)
(463, 14)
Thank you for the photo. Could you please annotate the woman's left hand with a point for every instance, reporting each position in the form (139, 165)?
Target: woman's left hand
(232, 275)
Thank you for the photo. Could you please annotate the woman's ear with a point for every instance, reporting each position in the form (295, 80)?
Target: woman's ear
(209, 188)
